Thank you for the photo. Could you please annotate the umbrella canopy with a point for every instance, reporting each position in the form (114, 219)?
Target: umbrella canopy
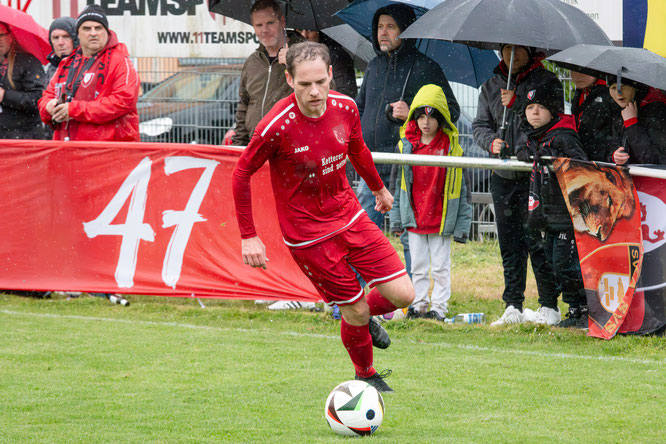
(460, 63)
(358, 47)
(637, 64)
(300, 14)
(27, 33)
(546, 24)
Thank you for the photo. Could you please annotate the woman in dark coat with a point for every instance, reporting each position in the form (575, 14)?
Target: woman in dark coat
(22, 81)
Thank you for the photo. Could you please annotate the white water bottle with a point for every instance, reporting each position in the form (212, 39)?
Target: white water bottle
(470, 318)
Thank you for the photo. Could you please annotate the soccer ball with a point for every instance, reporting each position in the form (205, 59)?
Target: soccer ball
(354, 408)
(400, 313)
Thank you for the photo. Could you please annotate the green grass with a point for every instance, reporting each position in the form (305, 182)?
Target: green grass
(166, 370)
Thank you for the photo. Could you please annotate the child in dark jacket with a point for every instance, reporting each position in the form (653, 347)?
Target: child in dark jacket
(553, 134)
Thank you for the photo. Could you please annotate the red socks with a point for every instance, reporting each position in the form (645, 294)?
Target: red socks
(358, 342)
(379, 305)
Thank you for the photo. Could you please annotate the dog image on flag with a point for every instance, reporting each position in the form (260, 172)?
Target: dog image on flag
(597, 197)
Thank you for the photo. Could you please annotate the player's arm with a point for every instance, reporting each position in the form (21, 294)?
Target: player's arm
(254, 156)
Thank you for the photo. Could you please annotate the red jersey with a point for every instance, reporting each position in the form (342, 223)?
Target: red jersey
(307, 158)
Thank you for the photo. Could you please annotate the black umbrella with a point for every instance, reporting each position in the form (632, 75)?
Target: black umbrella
(545, 24)
(637, 64)
(358, 47)
(300, 14)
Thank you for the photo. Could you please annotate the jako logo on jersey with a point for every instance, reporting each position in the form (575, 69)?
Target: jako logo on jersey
(300, 149)
(530, 95)
(87, 78)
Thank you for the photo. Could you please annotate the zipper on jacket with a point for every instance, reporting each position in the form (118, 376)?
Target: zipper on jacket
(268, 81)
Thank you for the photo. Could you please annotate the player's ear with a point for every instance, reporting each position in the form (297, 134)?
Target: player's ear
(330, 72)
(290, 79)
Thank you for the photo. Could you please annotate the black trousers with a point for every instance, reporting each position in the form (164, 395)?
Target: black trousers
(562, 253)
(517, 241)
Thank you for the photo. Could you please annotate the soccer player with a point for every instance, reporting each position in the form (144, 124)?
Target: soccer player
(306, 139)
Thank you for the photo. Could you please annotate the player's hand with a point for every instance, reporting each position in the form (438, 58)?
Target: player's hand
(383, 199)
(507, 95)
(629, 111)
(400, 110)
(282, 55)
(620, 156)
(496, 147)
(254, 252)
(61, 112)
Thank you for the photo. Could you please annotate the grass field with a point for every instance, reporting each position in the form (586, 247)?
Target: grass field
(167, 370)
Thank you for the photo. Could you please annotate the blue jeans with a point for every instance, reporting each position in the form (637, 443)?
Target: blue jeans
(367, 200)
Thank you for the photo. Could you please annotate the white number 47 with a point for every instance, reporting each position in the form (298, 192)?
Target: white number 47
(134, 230)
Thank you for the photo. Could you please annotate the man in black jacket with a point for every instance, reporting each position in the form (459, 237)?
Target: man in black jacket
(392, 79)
(510, 189)
(63, 39)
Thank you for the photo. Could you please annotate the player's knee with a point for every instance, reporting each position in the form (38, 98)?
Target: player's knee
(356, 314)
(405, 294)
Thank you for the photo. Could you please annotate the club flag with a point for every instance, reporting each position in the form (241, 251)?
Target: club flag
(647, 312)
(606, 216)
(644, 25)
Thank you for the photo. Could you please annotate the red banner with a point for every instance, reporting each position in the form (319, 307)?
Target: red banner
(135, 218)
(606, 216)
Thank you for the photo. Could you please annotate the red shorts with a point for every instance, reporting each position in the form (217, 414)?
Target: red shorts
(328, 264)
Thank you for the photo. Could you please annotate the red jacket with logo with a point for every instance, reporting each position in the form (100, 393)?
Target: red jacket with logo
(103, 107)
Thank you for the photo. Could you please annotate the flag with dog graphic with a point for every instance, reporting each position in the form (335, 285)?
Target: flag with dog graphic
(606, 216)
(647, 312)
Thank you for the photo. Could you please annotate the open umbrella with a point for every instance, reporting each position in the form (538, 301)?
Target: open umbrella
(358, 47)
(300, 14)
(637, 64)
(27, 33)
(460, 63)
(545, 24)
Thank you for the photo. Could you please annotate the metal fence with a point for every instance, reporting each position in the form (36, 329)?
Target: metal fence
(194, 101)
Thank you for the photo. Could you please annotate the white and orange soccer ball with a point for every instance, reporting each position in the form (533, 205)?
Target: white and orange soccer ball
(400, 313)
(354, 408)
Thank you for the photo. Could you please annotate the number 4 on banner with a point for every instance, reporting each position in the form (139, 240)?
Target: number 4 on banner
(133, 230)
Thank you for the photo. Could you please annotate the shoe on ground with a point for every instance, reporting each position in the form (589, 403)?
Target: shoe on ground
(543, 315)
(511, 316)
(413, 313)
(291, 305)
(377, 381)
(432, 314)
(572, 318)
(380, 337)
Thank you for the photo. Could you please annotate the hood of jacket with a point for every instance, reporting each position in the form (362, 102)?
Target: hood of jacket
(433, 95)
(563, 121)
(404, 16)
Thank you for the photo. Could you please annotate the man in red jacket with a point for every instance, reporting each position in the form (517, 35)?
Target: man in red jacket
(306, 139)
(93, 94)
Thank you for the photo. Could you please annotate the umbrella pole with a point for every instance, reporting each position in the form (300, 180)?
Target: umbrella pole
(503, 127)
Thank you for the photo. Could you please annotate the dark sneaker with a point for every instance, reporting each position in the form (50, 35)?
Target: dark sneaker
(377, 381)
(583, 321)
(380, 337)
(432, 314)
(572, 319)
(413, 313)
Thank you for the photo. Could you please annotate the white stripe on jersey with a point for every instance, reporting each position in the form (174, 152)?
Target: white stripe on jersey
(302, 244)
(340, 96)
(263, 133)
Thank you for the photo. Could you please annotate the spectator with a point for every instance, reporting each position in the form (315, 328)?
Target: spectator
(344, 75)
(510, 189)
(642, 129)
(263, 81)
(553, 134)
(22, 82)
(594, 111)
(62, 36)
(431, 202)
(93, 94)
